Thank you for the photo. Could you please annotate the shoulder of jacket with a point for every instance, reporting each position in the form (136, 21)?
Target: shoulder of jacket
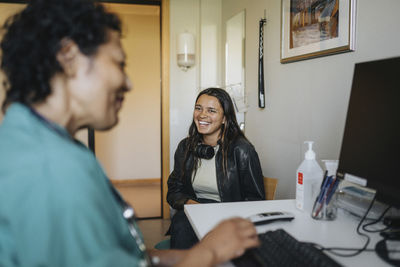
(242, 143)
(182, 145)
(183, 142)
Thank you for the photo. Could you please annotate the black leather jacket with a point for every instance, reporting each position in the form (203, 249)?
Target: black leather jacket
(244, 180)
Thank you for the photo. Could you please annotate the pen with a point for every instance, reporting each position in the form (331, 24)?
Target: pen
(324, 192)
(324, 179)
(324, 188)
(323, 184)
(330, 187)
(335, 185)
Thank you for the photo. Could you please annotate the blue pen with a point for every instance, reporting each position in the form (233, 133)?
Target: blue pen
(320, 191)
(329, 185)
(326, 185)
(323, 184)
(324, 179)
(332, 192)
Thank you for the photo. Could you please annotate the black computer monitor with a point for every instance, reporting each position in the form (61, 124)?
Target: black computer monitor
(371, 141)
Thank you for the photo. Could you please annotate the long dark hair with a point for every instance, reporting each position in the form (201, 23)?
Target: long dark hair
(230, 130)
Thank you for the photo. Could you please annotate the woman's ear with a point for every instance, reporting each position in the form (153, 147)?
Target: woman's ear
(67, 56)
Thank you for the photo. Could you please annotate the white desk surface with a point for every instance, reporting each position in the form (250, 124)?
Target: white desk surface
(340, 232)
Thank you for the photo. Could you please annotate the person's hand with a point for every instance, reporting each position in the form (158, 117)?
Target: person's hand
(226, 241)
(231, 238)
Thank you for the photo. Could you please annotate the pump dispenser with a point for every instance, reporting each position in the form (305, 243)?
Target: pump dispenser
(310, 154)
(308, 180)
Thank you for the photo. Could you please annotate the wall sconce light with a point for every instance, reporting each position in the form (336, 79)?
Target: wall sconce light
(185, 51)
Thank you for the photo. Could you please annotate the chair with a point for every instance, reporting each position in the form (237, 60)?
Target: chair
(270, 185)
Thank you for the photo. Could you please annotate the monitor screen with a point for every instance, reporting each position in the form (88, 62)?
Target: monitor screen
(371, 140)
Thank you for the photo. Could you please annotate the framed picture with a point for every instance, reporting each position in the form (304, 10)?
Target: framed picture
(314, 28)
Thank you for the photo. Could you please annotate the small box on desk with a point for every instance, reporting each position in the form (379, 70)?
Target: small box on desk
(356, 200)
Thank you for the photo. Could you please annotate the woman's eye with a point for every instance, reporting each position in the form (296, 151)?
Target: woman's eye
(197, 108)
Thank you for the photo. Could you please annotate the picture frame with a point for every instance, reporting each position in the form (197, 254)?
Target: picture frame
(315, 28)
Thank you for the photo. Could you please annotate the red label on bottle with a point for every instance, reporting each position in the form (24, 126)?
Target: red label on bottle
(300, 178)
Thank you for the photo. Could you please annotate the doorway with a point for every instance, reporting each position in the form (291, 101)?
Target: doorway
(131, 152)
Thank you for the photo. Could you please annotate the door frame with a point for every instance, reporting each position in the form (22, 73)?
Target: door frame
(165, 139)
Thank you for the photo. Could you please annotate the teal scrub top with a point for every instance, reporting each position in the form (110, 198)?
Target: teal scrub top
(56, 203)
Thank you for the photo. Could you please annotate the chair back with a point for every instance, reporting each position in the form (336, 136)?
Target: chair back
(270, 185)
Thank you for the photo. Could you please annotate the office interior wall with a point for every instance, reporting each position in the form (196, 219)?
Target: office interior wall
(132, 150)
(305, 100)
(203, 19)
(210, 43)
(184, 16)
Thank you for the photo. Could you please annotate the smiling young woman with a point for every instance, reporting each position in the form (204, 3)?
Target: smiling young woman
(215, 163)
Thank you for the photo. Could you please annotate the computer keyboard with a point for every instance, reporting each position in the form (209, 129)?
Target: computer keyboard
(279, 248)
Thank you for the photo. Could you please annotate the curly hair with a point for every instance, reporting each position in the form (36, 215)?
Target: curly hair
(230, 130)
(33, 38)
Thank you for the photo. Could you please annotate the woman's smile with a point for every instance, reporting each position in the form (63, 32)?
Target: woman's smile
(208, 116)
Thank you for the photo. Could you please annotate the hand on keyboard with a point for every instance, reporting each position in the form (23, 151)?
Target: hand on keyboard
(231, 238)
(278, 248)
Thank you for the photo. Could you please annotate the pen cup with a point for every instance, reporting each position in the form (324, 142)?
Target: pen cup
(325, 211)
(325, 204)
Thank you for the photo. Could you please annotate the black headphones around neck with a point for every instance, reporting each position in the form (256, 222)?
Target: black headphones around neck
(204, 151)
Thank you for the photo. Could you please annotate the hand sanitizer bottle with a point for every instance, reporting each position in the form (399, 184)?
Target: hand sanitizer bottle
(309, 177)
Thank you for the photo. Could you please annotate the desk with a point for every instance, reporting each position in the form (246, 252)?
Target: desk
(338, 233)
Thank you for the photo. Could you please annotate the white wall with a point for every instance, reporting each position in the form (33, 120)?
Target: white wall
(305, 100)
(210, 43)
(203, 19)
(184, 16)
